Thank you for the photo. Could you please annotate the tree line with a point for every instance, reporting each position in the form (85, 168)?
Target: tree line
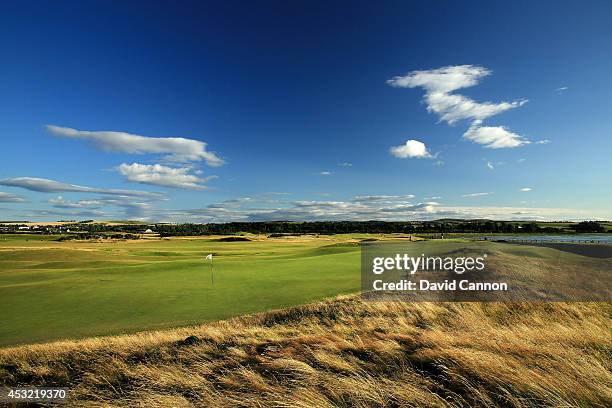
(279, 228)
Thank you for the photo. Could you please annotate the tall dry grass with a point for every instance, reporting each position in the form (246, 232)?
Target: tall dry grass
(344, 352)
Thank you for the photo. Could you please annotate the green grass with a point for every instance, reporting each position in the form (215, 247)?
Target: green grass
(53, 290)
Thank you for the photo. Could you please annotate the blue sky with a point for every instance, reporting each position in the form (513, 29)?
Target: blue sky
(305, 111)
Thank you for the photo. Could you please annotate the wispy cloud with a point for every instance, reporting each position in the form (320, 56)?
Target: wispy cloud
(561, 89)
(439, 85)
(60, 202)
(158, 175)
(345, 164)
(66, 214)
(11, 198)
(411, 149)
(51, 186)
(359, 209)
(178, 149)
(265, 208)
(325, 173)
(131, 208)
(526, 189)
(475, 195)
(493, 137)
(382, 198)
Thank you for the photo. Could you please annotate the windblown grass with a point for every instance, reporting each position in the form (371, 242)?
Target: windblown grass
(344, 352)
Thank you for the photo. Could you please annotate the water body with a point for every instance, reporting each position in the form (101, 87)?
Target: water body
(575, 238)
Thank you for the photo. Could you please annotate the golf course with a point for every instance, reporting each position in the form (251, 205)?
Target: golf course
(53, 290)
(141, 322)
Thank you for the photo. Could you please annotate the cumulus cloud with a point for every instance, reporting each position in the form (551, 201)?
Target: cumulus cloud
(178, 149)
(475, 195)
(525, 189)
(156, 174)
(441, 82)
(51, 186)
(11, 198)
(411, 149)
(493, 137)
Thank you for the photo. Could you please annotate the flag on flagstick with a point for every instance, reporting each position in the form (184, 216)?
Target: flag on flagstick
(209, 257)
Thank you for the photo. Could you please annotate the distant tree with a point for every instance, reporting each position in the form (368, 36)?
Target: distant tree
(531, 227)
(588, 226)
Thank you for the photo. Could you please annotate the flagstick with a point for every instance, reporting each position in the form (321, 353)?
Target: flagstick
(212, 272)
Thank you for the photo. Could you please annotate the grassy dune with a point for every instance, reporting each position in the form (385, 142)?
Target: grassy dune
(344, 352)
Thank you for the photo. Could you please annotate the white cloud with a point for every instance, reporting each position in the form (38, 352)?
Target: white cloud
(490, 165)
(438, 85)
(60, 202)
(561, 89)
(445, 79)
(51, 186)
(474, 195)
(493, 137)
(11, 198)
(345, 164)
(525, 189)
(412, 149)
(452, 108)
(382, 198)
(132, 210)
(521, 160)
(351, 210)
(325, 173)
(67, 214)
(176, 149)
(360, 208)
(544, 141)
(159, 175)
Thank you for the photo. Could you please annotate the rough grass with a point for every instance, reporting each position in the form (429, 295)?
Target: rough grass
(344, 352)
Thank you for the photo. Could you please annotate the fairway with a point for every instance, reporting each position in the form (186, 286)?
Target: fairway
(54, 290)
